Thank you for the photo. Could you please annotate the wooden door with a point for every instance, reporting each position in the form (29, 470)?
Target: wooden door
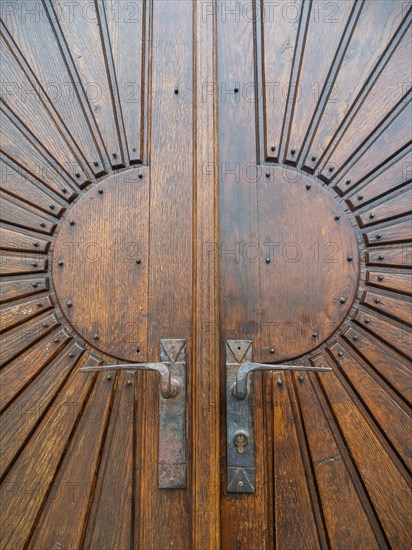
(208, 171)
(315, 229)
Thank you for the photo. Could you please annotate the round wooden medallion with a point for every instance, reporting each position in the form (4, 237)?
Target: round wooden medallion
(309, 267)
(100, 267)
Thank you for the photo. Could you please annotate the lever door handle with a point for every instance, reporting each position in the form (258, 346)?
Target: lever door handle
(169, 387)
(240, 435)
(240, 388)
(172, 409)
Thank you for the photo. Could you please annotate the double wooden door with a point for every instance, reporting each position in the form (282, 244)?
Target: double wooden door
(235, 174)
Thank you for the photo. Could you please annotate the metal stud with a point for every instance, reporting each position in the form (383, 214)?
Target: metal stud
(72, 222)
(56, 340)
(377, 300)
(350, 258)
(340, 353)
(96, 163)
(272, 350)
(45, 325)
(360, 197)
(34, 264)
(301, 378)
(236, 90)
(114, 155)
(331, 168)
(109, 377)
(52, 207)
(381, 277)
(64, 190)
(292, 152)
(381, 257)
(348, 182)
(71, 354)
(35, 245)
(42, 224)
(313, 158)
(96, 337)
(134, 149)
(176, 90)
(40, 304)
(34, 285)
(77, 175)
(379, 236)
(342, 300)
(355, 338)
(273, 148)
(371, 216)
(268, 260)
(308, 186)
(61, 263)
(140, 176)
(100, 191)
(138, 261)
(337, 217)
(69, 304)
(367, 321)
(267, 174)
(280, 381)
(315, 334)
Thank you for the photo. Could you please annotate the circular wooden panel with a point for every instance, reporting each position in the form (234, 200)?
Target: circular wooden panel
(309, 266)
(100, 266)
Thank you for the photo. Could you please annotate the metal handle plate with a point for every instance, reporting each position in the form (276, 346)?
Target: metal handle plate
(172, 409)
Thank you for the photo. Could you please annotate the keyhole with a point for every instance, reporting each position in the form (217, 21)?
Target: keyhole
(240, 443)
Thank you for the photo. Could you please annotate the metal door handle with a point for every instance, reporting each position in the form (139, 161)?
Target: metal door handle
(240, 388)
(240, 436)
(172, 409)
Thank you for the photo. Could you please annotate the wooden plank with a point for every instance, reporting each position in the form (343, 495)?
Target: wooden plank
(171, 260)
(386, 486)
(393, 368)
(22, 417)
(376, 26)
(392, 418)
(30, 108)
(390, 138)
(397, 282)
(19, 312)
(397, 256)
(83, 37)
(247, 519)
(398, 308)
(294, 501)
(17, 340)
(279, 36)
(36, 39)
(383, 97)
(17, 213)
(29, 481)
(129, 62)
(394, 207)
(20, 184)
(22, 240)
(64, 514)
(325, 33)
(15, 376)
(395, 334)
(397, 232)
(23, 148)
(14, 288)
(205, 369)
(110, 524)
(342, 499)
(388, 179)
(20, 264)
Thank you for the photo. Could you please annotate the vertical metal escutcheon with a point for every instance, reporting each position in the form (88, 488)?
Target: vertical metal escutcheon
(172, 408)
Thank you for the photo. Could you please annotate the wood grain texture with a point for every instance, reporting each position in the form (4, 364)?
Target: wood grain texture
(208, 102)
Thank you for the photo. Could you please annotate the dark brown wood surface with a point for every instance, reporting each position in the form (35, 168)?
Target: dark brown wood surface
(216, 158)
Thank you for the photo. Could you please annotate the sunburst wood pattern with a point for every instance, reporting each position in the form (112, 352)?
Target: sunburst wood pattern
(91, 94)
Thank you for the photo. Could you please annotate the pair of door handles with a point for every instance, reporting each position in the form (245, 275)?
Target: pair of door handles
(172, 410)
